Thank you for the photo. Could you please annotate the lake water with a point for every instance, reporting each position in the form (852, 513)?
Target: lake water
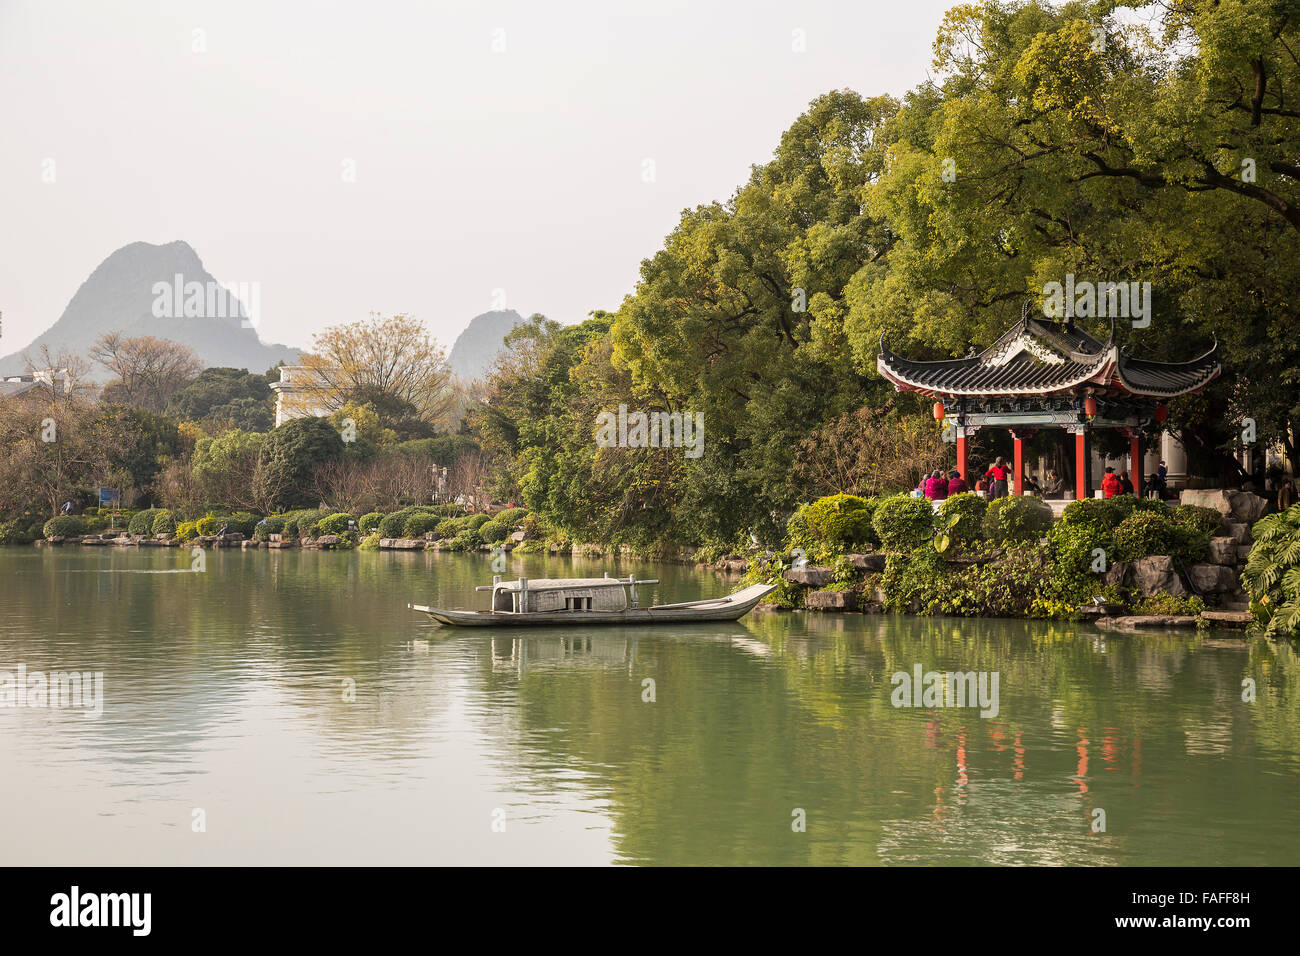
(226, 704)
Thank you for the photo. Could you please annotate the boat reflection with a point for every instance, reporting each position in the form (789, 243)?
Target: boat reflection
(518, 651)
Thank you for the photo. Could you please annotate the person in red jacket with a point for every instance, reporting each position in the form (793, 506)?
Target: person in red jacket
(1110, 485)
(997, 478)
(956, 483)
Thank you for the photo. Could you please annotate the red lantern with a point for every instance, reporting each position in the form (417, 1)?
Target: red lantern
(938, 411)
(1161, 413)
(1090, 406)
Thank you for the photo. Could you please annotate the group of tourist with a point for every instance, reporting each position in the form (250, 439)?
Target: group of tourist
(938, 486)
(996, 483)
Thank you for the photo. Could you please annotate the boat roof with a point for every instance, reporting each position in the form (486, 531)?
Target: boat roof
(561, 584)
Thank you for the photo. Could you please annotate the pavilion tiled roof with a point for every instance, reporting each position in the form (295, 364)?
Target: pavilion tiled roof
(1036, 357)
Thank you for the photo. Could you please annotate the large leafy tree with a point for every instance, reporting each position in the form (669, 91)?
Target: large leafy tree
(391, 364)
(226, 398)
(1142, 142)
(137, 444)
(740, 316)
(288, 458)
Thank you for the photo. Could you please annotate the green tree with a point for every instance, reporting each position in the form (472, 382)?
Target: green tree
(289, 457)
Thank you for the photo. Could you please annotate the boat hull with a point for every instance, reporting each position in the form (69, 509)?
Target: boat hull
(729, 608)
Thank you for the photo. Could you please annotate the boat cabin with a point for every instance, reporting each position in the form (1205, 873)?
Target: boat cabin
(563, 594)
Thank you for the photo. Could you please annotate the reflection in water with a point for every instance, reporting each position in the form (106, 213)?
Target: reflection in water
(295, 699)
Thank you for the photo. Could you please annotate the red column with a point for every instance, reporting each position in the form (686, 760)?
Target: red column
(1080, 465)
(961, 456)
(1135, 461)
(1019, 462)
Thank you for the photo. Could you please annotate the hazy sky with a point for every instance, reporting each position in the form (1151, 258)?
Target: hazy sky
(495, 146)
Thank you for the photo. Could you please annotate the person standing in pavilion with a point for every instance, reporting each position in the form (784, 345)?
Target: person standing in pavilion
(1110, 484)
(997, 478)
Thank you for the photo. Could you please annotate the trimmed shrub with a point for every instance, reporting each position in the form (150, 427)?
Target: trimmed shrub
(268, 526)
(903, 523)
(494, 532)
(142, 521)
(370, 522)
(419, 523)
(1099, 512)
(1205, 520)
(842, 521)
(467, 540)
(449, 527)
(65, 526)
(20, 530)
(1073, 546)
(477, 521)
(1015, 519)
(187, 531)
(336, 523)
(391, 526)
(164, 522)
(969, 508)
(1145, 533)
(1148, 504)
(242, 521)
(511, 516)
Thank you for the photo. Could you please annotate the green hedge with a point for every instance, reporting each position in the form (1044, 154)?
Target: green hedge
(391, 525)
(1203, 520)
(142, 521)
(468, 540)
(1016, 519)
(164, 522)
(1145, 533)
(65, 526)
(496, 531)
(303, 523)
(420, 523)
(903, 523)
(969, 509)
(449, 527)
(842, 521)
(274, 524)
(336, 523)
(370, 522)
(511, 516)
(23, 529)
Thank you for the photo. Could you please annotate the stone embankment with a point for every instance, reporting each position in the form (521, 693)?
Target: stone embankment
(1216, 580)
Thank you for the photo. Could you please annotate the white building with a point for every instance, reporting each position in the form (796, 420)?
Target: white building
(293, 395)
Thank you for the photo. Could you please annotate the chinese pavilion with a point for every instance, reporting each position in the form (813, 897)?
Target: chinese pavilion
(1043, 374)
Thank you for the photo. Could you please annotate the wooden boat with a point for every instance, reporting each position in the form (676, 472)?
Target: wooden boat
(587, 601)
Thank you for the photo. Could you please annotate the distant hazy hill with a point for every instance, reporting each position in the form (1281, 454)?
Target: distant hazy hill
(477, 347)
(120, 296)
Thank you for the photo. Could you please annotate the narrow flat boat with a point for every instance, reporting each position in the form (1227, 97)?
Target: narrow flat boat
(545, 602)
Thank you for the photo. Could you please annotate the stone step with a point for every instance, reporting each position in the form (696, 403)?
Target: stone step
(831, 600)
(1228, 618)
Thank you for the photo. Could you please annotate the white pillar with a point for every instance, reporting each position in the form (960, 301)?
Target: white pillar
(1175, 457)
